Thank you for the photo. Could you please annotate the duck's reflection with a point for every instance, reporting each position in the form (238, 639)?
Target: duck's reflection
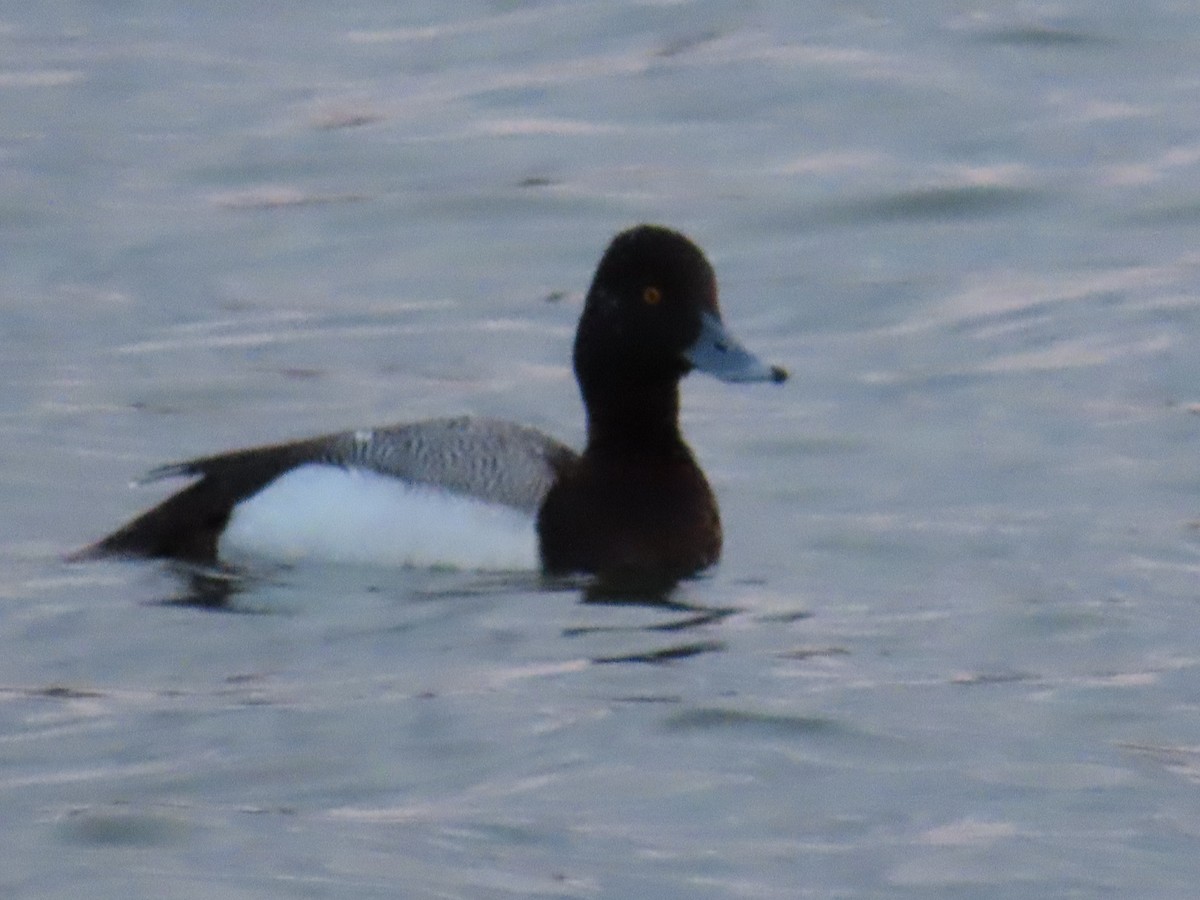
(661, 602)
(658, 595)
(215, 589)
(663, 655)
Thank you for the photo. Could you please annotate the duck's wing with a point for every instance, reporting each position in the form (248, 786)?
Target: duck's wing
(486, 459)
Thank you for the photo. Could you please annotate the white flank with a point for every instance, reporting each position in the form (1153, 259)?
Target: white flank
(321, 512)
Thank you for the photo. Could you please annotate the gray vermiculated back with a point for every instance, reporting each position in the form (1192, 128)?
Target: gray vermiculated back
(493, 460)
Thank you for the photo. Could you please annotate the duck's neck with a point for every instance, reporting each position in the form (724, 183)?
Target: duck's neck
(638, 419)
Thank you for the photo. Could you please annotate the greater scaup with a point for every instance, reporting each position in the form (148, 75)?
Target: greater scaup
(428, 493)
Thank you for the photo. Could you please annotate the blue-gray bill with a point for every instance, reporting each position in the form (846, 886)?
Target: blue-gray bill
(721, 355)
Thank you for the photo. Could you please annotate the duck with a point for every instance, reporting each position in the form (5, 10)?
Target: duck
(480, 493)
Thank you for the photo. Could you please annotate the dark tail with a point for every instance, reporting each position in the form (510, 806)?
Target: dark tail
(187, 526)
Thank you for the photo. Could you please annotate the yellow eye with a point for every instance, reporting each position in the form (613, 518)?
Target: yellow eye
(652, 296)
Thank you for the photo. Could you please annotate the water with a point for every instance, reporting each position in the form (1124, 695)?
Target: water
(950, 649)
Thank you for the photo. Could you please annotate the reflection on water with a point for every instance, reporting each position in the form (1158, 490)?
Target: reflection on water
(661, 655)
(233, 589)
(210, 588)
(696, 616)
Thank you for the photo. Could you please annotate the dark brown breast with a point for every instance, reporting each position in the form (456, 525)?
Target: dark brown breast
(653, 516)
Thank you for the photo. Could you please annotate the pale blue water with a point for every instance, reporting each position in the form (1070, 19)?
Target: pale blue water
(951, 649)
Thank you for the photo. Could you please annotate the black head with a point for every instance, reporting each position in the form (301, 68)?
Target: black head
(652, 316)
(644, 308)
